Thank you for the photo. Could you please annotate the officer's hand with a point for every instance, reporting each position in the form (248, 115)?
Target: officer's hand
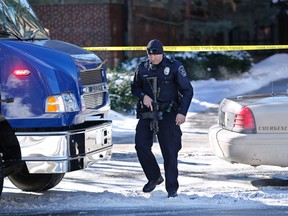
(180, 119)
(148, 102)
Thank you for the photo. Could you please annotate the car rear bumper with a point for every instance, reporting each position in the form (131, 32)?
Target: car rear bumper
(252, 149)
(65, 149)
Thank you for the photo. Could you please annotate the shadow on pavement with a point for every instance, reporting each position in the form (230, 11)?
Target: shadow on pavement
(273, 182)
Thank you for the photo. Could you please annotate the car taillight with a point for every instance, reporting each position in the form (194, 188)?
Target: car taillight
(244, 119)
(21, 72)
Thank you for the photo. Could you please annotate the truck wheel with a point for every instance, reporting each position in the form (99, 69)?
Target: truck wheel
(1, 175)
(35, 182)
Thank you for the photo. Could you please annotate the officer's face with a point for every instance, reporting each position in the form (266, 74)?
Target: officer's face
(155, 58)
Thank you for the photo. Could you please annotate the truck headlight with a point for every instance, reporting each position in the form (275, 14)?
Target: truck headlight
(65, 102)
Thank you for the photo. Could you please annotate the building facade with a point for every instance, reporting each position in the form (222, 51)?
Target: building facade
(91, 23)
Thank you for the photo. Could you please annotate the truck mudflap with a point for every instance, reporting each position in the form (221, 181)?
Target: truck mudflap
(65, 149)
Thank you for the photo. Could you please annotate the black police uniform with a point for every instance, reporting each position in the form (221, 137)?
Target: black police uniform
(172, 80)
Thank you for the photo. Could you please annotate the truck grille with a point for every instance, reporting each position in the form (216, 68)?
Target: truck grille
(94, 100)
(93, 76)
(94, 87)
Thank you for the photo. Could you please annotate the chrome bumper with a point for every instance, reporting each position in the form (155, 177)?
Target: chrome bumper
(61, 150)
(251, 149)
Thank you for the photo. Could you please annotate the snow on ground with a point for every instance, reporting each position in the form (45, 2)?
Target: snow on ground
(205, 180)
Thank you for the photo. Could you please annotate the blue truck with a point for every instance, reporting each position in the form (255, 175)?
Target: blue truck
(54, 103)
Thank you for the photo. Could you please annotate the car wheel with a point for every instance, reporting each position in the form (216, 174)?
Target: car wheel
(35, 182)
(1, 175)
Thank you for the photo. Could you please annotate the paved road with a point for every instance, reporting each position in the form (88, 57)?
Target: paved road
(268, 211)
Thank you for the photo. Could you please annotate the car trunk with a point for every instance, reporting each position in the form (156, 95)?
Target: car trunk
(255, 114)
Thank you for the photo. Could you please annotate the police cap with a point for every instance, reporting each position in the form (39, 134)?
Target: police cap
(155, 47)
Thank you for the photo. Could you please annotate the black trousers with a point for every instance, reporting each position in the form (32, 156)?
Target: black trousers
(169, 137)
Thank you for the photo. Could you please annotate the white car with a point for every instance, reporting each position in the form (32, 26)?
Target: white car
(252, 130)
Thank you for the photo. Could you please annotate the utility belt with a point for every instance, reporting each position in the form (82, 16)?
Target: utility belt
(163, 107)
(169, 106)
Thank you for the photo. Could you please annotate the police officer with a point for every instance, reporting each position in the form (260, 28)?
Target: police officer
(174, 95)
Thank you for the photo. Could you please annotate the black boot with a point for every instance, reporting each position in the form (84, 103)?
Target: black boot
(172, 194)
(151, 185)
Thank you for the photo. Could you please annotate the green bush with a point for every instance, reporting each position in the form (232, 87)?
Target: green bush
(120, 91)
(217, 65)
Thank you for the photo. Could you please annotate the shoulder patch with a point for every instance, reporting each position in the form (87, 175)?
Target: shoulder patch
(182, 71)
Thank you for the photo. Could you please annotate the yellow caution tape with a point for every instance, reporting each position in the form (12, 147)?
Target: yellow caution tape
(191, 48)
(93, 69)
(116, 48)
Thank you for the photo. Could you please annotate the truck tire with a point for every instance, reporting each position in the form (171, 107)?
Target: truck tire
(1, 175)
(35, 182)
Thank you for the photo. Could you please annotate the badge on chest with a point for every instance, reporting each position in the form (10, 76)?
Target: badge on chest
(166, 71)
